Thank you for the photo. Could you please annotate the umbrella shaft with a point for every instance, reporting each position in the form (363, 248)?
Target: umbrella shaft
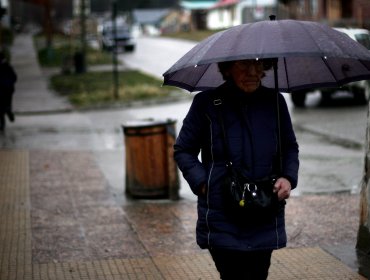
(275, 67)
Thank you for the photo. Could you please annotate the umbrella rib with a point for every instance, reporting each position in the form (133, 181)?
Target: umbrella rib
(201, 76)
(361, 61)
(327, 65)
(309, 33)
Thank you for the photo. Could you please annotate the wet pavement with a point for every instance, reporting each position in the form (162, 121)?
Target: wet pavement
(61, 221)
(66, 216)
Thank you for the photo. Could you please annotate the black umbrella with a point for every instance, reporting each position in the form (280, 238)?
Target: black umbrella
(304, 54)
(309, 55)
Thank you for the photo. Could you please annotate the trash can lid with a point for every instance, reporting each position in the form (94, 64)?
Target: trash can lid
(146, 123)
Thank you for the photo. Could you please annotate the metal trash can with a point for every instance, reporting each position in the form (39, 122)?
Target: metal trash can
(151, 171)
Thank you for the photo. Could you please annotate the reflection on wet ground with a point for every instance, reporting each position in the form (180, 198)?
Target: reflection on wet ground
(76, 216)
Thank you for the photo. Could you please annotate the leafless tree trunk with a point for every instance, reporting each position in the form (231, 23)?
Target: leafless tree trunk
(48, 24)
(363, 238)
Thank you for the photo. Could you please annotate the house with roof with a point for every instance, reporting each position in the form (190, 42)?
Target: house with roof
(227, 13)
(223, 14)
(177, 20)
(198, 10)
(161, 21)
(149, 20)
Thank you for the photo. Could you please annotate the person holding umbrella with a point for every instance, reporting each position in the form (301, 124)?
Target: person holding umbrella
(241, 125)
(240, 248)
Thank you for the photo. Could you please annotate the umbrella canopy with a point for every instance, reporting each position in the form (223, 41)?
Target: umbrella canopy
(309, 55)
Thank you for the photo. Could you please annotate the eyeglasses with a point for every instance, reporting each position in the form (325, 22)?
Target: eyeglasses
(247, 65)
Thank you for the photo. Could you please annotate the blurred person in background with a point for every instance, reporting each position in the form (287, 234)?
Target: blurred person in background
(8, 77)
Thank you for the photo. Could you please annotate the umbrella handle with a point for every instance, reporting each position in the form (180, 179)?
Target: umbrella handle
(280, 160)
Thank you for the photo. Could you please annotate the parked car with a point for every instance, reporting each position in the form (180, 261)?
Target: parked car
(360, 90)
(123, 40)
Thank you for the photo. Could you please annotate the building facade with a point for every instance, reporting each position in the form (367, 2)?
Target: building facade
(346, 13)
(349, 13)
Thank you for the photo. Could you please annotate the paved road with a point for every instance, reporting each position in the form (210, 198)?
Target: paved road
(155, 55)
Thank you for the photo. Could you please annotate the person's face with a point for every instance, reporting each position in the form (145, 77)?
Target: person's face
(247, 74)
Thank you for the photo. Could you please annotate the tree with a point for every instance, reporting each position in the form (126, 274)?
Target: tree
(363, 237)
(124, 5)
(80, 57)
(47, 21)
(100, 6)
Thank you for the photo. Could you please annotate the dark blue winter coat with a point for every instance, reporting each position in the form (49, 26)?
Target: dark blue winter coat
(251, 126)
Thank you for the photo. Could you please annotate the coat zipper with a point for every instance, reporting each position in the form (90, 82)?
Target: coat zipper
(208, 183)
(277, 233)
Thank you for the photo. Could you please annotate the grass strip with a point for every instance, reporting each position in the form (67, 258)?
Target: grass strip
(94, 89)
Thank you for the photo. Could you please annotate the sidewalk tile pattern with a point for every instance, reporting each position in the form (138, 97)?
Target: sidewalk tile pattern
(28, 218)
(15, 226)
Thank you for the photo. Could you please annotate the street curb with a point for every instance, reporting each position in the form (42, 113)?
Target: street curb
(338, 140)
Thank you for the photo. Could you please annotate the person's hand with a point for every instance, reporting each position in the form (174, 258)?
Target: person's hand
(282, 187)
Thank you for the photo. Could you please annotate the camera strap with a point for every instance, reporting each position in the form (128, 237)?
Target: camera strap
(218, 102)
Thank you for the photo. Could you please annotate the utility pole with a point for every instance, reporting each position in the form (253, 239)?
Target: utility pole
(80, 57)
(114, 50)
(48, 24)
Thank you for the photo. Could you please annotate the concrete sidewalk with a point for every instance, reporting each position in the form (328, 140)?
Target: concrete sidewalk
(32, 92)
(60, 219)
(61, 223)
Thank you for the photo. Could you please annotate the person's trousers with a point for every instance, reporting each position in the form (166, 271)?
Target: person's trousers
(241, 265)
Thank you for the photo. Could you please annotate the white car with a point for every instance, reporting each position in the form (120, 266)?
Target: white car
(360, 90)
(122, 38)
